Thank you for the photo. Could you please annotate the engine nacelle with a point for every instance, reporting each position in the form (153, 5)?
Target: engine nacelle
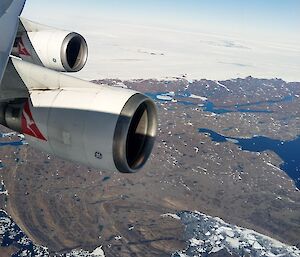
(58, 50)
(108, 128)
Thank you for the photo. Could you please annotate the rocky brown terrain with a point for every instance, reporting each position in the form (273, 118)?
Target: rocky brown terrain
(65, 206)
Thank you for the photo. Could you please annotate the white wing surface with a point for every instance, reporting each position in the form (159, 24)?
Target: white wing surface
(9, 22)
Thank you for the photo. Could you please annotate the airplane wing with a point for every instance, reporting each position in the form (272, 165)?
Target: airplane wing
(9, 23)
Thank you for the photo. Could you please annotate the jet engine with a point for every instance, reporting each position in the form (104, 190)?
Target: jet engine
(105, 127)
(55, 49)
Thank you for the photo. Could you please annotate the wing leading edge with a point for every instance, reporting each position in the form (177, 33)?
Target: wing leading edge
(9, 22)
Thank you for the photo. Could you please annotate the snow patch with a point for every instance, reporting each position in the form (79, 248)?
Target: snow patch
(221, 85)
(174, 216)
(98, 252)
(202, 98)
(273, 166)
(3, 190)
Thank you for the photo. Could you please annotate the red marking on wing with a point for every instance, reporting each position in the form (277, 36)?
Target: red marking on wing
(28, 124)
(22, 49)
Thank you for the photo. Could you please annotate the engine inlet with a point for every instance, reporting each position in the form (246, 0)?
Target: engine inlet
(74, 52)
(135, 134)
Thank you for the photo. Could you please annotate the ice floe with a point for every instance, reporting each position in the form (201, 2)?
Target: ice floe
(209, 235)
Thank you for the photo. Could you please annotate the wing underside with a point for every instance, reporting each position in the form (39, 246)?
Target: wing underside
(9, 23)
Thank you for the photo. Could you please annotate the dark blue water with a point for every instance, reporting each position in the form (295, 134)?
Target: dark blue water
(288, 98)
(106, 178)
(210, 106)
(16, 143)
(288, 151)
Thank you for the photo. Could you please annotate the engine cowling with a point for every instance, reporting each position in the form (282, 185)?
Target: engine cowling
(106, 128)
(59, 50)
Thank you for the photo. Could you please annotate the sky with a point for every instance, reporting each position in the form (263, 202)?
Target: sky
(269, 17)
(255, 24)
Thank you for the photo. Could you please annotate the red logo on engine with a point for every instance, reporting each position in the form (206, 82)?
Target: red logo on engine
(28, 125)
(22, 49)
